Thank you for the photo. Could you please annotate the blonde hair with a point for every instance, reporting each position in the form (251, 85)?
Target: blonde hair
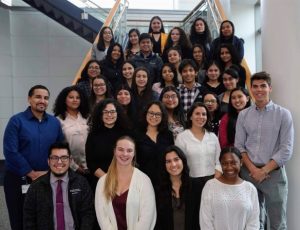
(111, 180)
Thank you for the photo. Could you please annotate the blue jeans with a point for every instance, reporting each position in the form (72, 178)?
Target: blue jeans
(272, 194)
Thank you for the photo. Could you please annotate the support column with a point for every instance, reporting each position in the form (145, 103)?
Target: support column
(280, 58)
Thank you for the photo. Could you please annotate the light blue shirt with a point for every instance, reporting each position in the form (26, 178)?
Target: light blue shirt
(265, 134)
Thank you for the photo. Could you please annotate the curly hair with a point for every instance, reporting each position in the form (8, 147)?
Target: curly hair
(60, 106)
(195, 37)
(84, 73)
(96, 123)
(183, 42)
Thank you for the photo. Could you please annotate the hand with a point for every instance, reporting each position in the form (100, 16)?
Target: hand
(259, 174)
(35, 174)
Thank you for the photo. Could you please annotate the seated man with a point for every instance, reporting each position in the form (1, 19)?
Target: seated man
(61, 199)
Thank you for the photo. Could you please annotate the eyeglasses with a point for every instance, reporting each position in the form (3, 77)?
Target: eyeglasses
(99, 85)
(57, 158)
(209, 102)
(153, 114)
(94, 67)
(173, 96)
(109, 112)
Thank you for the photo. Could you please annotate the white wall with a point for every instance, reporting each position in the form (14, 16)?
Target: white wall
(34, 49)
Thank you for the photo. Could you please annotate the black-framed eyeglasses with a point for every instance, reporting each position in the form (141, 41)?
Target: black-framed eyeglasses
(153, 114)
(57, 158)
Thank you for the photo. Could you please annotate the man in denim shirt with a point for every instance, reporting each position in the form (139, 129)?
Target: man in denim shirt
(265, 136)
(27, 138)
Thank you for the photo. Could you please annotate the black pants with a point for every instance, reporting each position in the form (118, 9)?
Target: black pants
(14, 199)
(197, 185)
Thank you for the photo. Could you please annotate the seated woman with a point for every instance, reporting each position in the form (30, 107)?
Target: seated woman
(124, 197)
(90, 71)
(228, 202)
(172, 102)
(239, 100)
(230, 79)
(202, 150)
(100, 91)
(172, 200)
(152, 140)
(72, 110)
(168, 77)
(106, 38)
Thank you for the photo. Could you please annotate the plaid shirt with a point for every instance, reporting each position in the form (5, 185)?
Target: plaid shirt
(189, 96)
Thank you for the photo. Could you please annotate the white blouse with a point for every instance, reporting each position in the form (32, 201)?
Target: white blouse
(202, 156)
(229, 207)
(75, 131)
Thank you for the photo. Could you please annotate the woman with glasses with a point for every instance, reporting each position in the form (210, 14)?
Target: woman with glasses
(100, 91)
(107, 123)
(71, 109)
(124, 197)
(212, 103)
(90, 71)
(153, 138)
(106, 38)
(202, 149)
(172, 102)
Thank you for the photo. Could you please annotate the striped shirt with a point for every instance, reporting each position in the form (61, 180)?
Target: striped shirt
(265, 134)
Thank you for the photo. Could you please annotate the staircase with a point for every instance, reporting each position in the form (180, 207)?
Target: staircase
(70, 16)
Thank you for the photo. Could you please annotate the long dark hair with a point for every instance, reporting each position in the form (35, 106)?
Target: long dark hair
(178, 112)
(163, 125)
(108, 93)
(96, 122)
(146, 94)
(174, 71)
(109, 51)
(84, 73)
(133, 30)
(200, 38)
(233, 114)
(204, 58)
(207, 125)
(60, 106)
(208, 65)
(165, 188)
(162, 30)
(183, 42)
(100, 44)
(233, 53)
(222, 38)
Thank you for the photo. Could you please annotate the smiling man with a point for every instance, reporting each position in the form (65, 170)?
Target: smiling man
(61, 199)
(27, 138)
(265, 136)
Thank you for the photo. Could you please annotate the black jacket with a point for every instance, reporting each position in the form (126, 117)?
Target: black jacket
(38, 205)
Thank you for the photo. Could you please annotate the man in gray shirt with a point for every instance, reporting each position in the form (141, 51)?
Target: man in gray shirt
(265, 136)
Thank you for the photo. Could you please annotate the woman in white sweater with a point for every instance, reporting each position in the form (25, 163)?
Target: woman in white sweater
(202, 150)
(124, 197)
(229, 203)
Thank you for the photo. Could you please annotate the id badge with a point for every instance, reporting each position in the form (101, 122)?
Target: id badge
(25, 188)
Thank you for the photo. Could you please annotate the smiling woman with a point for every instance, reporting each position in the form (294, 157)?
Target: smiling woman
(127, 190)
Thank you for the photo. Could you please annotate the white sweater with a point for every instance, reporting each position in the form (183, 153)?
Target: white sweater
(140, 204)
(229, 207)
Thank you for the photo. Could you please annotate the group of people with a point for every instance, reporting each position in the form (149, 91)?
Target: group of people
(160, 135)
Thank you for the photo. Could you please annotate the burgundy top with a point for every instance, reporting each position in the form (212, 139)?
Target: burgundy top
(223, 132)
(119, 205)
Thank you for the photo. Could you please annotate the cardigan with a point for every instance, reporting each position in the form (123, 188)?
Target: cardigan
(140, 204)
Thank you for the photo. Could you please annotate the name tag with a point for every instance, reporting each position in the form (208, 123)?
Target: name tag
(25, 188)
